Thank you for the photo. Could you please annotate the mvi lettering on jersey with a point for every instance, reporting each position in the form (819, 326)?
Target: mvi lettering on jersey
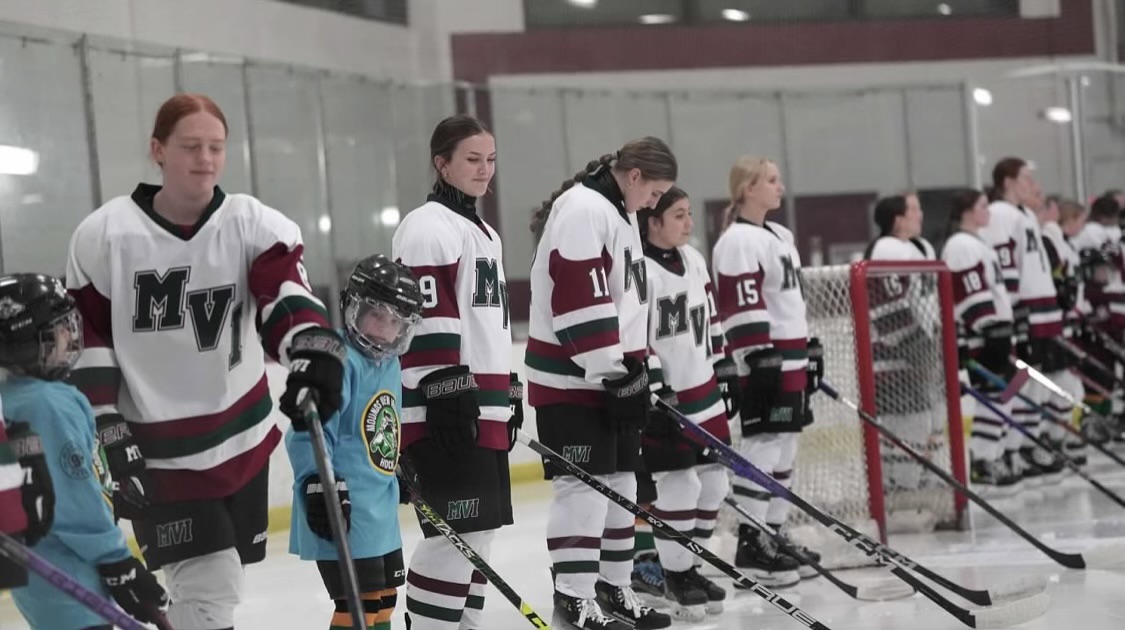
(161, 302)
(674, 317)
(489, 291)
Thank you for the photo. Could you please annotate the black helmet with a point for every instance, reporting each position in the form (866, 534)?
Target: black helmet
(381, 305)
(36, 315)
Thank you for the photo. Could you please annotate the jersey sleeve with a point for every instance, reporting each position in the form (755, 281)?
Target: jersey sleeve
(973, 304)
(740, 277)
(96, 374)
(12, 517)
(83, 519)
(279, 283)
(583, 315)
(434, 257)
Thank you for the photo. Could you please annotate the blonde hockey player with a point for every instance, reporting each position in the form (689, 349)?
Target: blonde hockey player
(756, 270)
(586, 374)
(688, 368)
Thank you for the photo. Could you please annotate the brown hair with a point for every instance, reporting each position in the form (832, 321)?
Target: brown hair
(1005, 169)
(179, 107)
(961, 202)
(746, 171)
(449, 133)
(1070, 210)
(667, 200)
(650, 155)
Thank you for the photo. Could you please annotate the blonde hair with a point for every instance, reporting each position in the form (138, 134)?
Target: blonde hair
(746, 171)
(1070, 211)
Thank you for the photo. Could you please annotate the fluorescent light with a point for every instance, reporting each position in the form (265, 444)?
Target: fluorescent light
(389, 216)
(657, 18)
(1059, 115)
(324, 224)
(18, 160)
(944, 9)
(982, 97)
(585, 4)
(736, 15)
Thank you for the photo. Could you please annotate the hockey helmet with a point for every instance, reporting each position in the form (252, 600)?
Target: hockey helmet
(381, 306)
(40, 328)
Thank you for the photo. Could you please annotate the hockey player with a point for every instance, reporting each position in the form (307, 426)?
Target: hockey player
(381, 306)
(586, 374)
(40, 339)
(183, 291)
(1013, 231)
(984, 323)
(686, 364)
(899, 219)
(13, 519)
(456, 376)
(756, 267)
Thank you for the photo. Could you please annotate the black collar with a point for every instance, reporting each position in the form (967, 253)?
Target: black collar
(603, 183)
(457, 201)
(670, 259)
(143, 196)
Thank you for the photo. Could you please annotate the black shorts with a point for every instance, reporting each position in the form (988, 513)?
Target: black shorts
(181, 530)
(375, 574)
(582, 436)
(646, 489)
(471, 490)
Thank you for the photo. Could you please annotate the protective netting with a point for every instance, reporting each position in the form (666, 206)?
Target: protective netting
(899, 351)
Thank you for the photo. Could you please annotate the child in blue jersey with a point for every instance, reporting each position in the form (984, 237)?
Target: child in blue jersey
(381, 306)
(40, 339)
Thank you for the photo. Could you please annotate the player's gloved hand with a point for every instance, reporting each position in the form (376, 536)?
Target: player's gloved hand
(316, 362)
(661, 425)
(515, 399)
(762, 387)
(628, 398)
(134, 589)
(316, 506)
(126, 466)
(37, 492)
(408, 482)
(452, 410)
(726, 373)
(815, 370)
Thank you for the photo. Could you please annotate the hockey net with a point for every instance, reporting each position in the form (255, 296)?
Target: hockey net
(890, 345)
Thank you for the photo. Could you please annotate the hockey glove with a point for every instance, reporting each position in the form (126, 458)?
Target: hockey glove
(815, 371)
(126, 466)
(726, 373)
(762, 387)
(628, 398)
(660, 425)
(134, 589)
(316, 506)
(515, 398)
(996, 349)
(452, 410)
(316, 362)
(37, 491)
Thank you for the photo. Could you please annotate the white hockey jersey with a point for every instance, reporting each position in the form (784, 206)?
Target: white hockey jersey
(588, 296)
(172, 318)
(979, 297)
(459, 262)
(685, 334)
(1064, 261)
(757, 270)
(893, 248)
(1014, 233)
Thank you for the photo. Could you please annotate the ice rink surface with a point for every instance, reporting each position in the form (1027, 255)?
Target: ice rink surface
(285, 593)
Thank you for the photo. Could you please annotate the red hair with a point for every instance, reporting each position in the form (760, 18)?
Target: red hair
(180, 106)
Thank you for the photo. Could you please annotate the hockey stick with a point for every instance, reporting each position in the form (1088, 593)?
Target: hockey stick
(20, 554)
(1017, 612)
(1055, 389)
(1042, 444)
(671, 533)
(881, 591)
(997, 381)
(306, 402)
(1082, 355)
(1095, 559)
(405, 479)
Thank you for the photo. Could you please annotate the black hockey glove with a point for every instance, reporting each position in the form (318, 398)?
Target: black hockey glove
(762, 387)
(408, 482)
(316, 506)
(661, 425)
(515, 399)
(316, 362)
(997, 348)
(37, 491)
(815, 372)
(452, 410)
(628, 398)
(726, 372)
(134, 589)
(126, 466)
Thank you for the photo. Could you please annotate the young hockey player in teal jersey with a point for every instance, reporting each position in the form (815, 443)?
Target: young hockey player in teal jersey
(40, 339)
(381, 306)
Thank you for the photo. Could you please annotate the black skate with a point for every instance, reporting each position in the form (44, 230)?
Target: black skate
(648, 580)
(1039, 464)
(583, 614)
(991, 478)
(622, 603)
(689, 602)
(802, 555)
(758, 553)
(715, 593)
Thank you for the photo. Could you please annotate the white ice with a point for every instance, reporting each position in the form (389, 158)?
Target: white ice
(284, 593)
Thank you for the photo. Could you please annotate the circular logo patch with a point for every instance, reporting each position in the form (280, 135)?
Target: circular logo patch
(73, 461)
(381, 432)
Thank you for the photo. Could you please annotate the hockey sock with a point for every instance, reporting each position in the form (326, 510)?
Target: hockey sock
(677, 497)
(643, 542)
(372, 603)
(714, 487)
(616, 566)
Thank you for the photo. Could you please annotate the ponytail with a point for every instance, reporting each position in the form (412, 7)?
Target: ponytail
(539, 215)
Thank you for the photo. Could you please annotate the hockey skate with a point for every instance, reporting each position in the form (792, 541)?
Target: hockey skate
(623, 604)
(648, 580)
(758, 553)
(802, 555)
(1041, 465)
(583, 614)
(992, 478)
(689, 602)
(1021, 469)
(715, 593)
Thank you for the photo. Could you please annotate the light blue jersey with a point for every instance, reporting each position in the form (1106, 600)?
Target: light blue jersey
(84, 534)
(363, 444)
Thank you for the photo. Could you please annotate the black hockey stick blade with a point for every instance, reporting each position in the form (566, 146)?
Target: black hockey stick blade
(885, 589)
(667, 531)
